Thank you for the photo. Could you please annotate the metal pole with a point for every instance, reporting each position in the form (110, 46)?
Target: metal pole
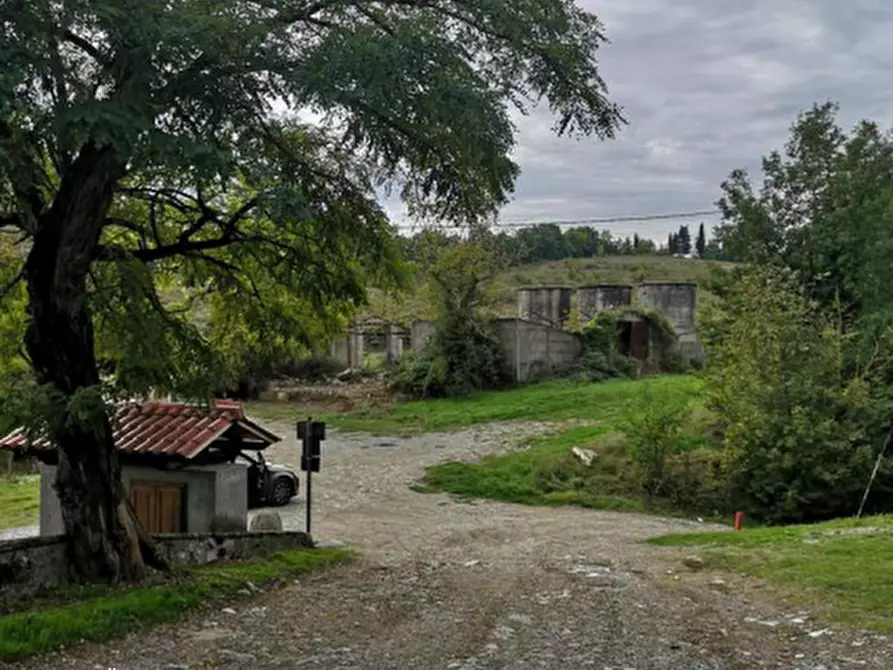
(307, 439)
(309, 481)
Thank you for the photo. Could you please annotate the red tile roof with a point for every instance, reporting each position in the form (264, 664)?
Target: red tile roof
(167, 429)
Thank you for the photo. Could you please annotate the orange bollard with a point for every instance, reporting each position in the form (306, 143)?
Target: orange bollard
(739, 520)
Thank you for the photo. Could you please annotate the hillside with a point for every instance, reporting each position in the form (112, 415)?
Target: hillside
(573, 272)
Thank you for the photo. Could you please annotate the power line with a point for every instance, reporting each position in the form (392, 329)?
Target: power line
(593, 221)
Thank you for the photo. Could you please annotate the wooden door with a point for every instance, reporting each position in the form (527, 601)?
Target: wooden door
(159, 506)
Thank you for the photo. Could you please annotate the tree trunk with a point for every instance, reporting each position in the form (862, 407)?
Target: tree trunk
(104, 536)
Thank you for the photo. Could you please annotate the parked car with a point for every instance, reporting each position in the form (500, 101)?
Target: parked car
(268, 483)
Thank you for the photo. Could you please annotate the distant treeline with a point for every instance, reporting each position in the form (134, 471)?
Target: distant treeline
(548, 242)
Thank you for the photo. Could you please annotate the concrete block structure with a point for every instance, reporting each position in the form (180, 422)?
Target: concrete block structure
(534, 350)
(546, 305)
(394, 338)
(676, 302)
(211, 498)
(600, 297)
(419, 333)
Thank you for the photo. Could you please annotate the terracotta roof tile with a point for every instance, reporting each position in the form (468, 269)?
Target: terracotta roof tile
(176, 430)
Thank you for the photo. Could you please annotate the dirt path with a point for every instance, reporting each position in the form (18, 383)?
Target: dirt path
(459, 586)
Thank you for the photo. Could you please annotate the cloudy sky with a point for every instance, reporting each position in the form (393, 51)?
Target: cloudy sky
(707, 86)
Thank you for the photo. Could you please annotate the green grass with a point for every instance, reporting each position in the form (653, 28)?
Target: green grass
(844, 566)
(555, 401)
(19, 501)
(546, 473)
(106, 613)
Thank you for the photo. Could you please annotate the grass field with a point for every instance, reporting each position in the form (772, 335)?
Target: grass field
(844, 567)
(555, 401)
(546, 473)
(98, 613)
(19, 501)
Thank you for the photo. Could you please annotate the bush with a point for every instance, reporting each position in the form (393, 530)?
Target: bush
(694, 481)
(460, 358)
(803, 418)
(653, 434)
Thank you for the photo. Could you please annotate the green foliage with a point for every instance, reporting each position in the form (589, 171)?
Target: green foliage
(217, 229)
(462, 356)
(111, 613)
(602, 357)
(841, 569)
(652, 434)
(823, 210)
(802, 427)
(546, 472)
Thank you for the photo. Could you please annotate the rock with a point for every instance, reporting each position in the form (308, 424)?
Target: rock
(328, 544)
(175, 666)
(719, 585)
(694, 562)
(265, 521)
(238, 657)
(252, 587)
(585, 455)
(228, 610)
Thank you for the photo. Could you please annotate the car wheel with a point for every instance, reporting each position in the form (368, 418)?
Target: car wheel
(283, 490)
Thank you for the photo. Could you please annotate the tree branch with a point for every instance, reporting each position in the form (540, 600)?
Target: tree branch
(12, 283)
(88, 48)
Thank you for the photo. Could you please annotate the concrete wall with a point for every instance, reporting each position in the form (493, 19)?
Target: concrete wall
(394, 337)
(349, 349)
(216, 496)
(419, 333)
(676, 302)
(595, 299)
(534, 351)
(29, 565)
(547, 305)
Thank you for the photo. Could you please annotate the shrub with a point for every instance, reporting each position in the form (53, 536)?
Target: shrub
(694, 481)
(803, 418)
(461, 357)
(653, 434)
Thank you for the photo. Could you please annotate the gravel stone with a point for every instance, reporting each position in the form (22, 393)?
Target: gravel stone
(549, 588)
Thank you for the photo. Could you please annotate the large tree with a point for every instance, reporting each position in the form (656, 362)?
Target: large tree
(825, 210)
(154, 154)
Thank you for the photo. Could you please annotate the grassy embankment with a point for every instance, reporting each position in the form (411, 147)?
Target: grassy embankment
(587, 415)
(843, 568)
(101, 613)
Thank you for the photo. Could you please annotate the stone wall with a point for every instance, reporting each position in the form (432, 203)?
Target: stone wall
(30, 565)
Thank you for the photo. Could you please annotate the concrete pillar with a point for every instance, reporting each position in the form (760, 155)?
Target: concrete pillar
(339, 349)
(419, 333)
(595, 299)
(393, 343)
(356, 351)
(548, 305)
(676, 302)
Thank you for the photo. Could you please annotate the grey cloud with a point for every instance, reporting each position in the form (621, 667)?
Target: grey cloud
(708, 86)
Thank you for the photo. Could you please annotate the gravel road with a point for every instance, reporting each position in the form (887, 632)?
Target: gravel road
(474, 586)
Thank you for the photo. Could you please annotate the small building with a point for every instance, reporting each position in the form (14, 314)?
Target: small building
(177, 464)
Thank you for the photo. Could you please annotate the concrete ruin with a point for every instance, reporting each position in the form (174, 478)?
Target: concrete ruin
(598, 298)
(536, 343)
(676, 302)
(535, 351)
(546, 305)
